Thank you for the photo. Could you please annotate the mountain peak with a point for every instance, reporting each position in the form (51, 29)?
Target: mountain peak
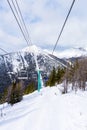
(72, 52)
(80, 49)
(32, 49)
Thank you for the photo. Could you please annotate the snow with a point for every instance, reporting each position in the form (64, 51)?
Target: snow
(47, 110)
(1, 60)
(36, 50)
(32, 49)
(71, 52)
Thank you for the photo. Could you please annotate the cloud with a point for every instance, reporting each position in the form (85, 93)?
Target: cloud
(10, 42)
(44, 19)
(47, 30)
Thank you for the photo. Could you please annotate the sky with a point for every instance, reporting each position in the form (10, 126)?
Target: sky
(44, 20)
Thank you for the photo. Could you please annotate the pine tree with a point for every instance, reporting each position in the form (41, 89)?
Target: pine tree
(30, 88)
(52, 78)
(16, 94)
(59, 74)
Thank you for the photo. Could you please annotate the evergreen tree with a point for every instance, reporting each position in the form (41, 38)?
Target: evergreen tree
(55, 76)
(16, 94)
(59, 74)
(52, 78)
(30, 88)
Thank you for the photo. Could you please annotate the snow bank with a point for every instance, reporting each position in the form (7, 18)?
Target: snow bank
(47, 110)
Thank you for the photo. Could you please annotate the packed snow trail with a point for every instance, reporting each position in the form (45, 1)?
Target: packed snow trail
(47, 110)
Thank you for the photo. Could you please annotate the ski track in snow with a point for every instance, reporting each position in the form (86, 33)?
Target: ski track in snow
(47, 110)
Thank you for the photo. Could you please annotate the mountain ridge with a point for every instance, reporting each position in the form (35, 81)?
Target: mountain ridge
(72, 52)
(23, 65)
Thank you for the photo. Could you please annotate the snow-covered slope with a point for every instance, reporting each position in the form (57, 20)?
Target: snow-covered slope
(72, 52)
(25, 63)
(33, 49)
(47, 110)
(20, 60)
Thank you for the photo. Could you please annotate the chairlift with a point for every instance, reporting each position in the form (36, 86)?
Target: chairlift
(23, 74)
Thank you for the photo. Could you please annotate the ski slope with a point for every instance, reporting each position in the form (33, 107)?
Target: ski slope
(47, 110)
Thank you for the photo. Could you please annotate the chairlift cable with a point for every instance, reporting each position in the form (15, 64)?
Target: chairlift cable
(17, 14)
(23, 20)
(17, 21)
(63, 26)
(3, 50)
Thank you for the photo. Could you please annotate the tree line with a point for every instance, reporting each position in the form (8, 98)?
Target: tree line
(14, 93)
(74, 74)
(55, 76)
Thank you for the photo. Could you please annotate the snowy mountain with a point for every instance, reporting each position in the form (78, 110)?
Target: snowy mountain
(25, 63)
(73, 52)
(46, 110)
